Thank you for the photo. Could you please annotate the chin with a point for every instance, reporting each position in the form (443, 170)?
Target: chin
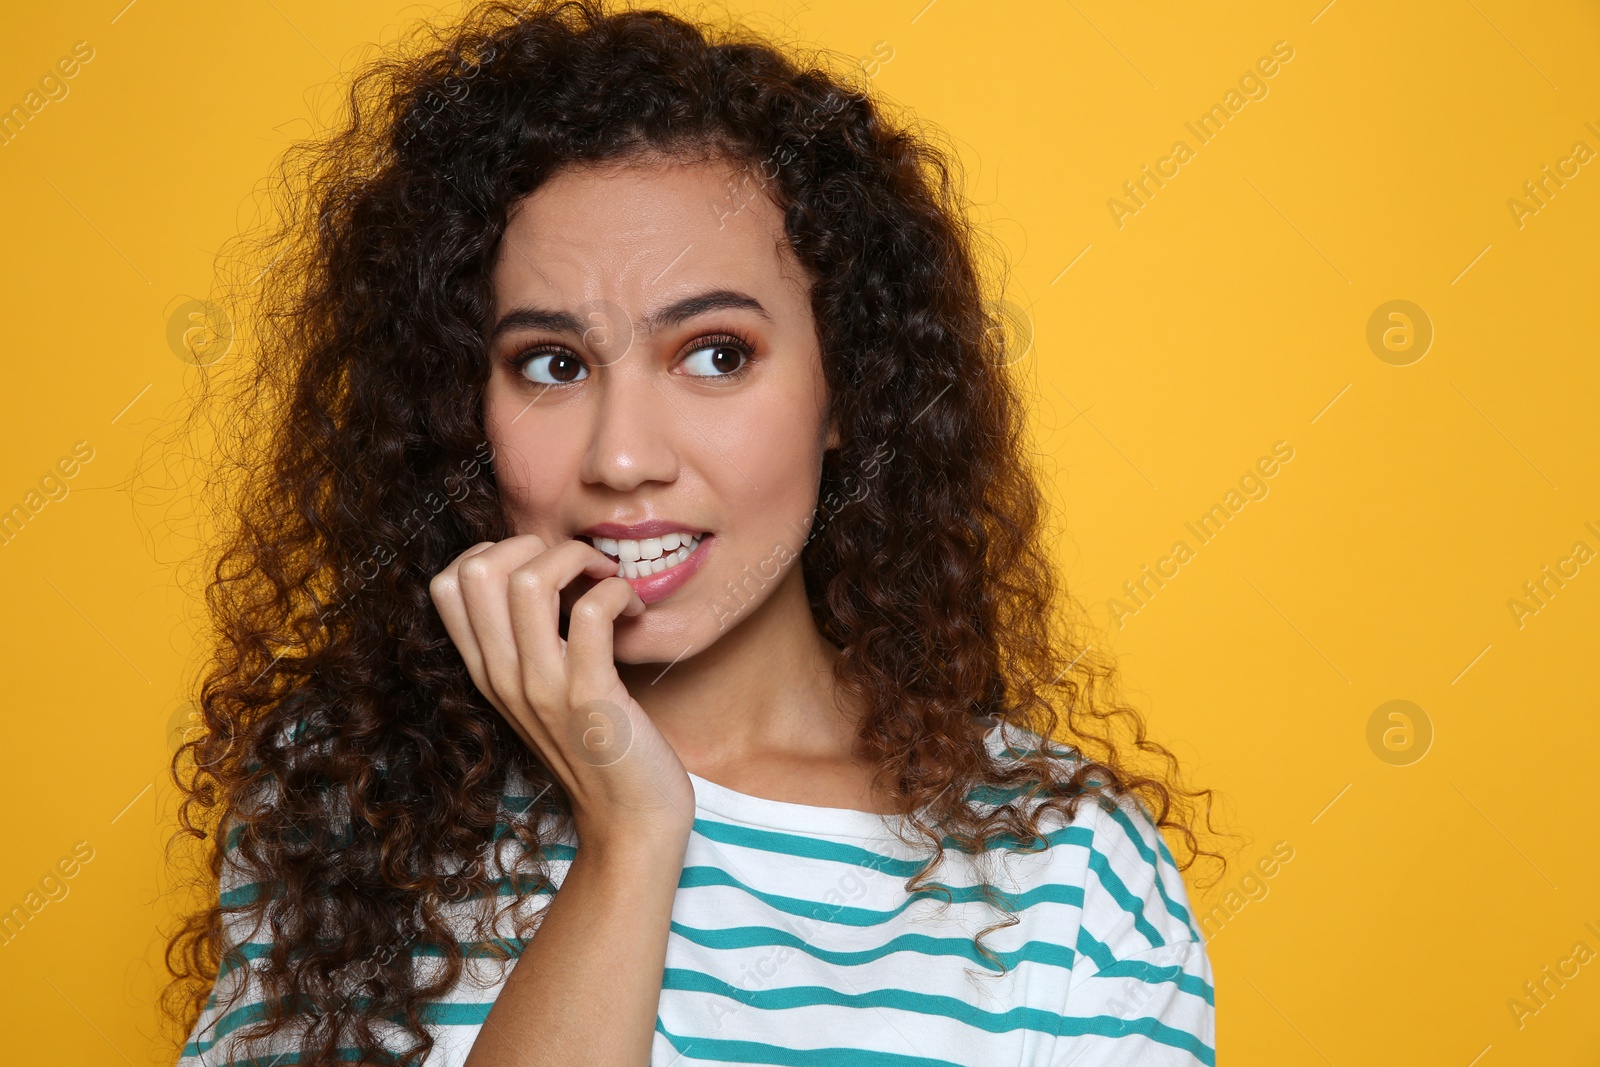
(635, 645)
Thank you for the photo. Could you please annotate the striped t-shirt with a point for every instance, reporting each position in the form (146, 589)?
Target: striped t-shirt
(793, 942)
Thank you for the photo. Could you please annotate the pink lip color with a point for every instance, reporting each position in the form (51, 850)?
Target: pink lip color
(660, 586)
(637, 531)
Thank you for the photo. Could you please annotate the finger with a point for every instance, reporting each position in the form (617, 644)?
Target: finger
(445, 590)
(591, 666)
(534, 592)
(482, 578)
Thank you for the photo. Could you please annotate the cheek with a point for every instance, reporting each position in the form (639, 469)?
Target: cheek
(772, 461)
(529, 490)
(781, 458)
(531, 471)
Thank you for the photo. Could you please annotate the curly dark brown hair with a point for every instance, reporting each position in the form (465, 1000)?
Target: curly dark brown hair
(342, 747)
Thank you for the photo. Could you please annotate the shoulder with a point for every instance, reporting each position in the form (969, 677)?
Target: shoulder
(1139, 988)
(1134, 896)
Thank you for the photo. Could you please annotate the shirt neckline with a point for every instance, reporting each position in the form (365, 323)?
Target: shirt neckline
(785, 815)
(803, 818)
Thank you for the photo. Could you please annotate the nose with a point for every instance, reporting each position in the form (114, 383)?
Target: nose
(632, 434)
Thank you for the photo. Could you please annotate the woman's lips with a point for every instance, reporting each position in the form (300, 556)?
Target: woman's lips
(663, 584)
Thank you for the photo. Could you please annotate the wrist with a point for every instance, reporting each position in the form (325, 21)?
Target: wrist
(639, 849)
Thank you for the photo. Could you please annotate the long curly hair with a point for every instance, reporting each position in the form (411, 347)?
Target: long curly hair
(340, 744)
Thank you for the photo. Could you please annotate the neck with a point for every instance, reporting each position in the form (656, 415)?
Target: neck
(763, 688)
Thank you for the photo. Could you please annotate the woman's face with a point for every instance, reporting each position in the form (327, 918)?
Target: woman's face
(670, 375)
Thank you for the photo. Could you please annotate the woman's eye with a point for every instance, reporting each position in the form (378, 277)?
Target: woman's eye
(715, 360)
(554, 368)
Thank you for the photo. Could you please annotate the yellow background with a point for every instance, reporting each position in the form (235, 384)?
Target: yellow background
(1229, 313)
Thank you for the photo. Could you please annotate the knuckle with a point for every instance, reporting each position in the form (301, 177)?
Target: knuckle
(527, 580)
(537, 695)
(587, 611)
(475, 570)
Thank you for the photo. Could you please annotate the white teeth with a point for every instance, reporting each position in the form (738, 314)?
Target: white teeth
(650, 556)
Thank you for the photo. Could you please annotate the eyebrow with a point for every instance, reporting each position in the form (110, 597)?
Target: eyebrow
(528, 317)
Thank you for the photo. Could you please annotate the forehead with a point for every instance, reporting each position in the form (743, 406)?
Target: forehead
(638, 232)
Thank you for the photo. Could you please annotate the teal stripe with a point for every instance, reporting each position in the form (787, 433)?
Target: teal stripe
(774, 842)
(1108, 965)
(254, 950)
(1096, 950)
(1128, 902)
(785, 998)
(749, 837)
(1071, 834)
(697, 876)
(224, 1026)
(241, 955)
(726, 1051)
(1154, 1029)
(790, 844)
(247, 894)
(1063, 753)
(781, 843)
(993, 794)
(244, 896)
(343, 839)
(1176, 910)
(434, 1013)
(1167, 855)
(722, 1050)
(1149, 972)
(787, 844)
(285, 1059)
(1044, 953)
(739, 937)
(456, 1014)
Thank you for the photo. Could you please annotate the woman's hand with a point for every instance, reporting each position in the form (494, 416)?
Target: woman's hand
(501, 603)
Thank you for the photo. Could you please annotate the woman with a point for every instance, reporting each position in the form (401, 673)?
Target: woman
(640, 510)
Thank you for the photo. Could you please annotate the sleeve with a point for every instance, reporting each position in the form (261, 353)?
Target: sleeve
(1140, 988)
(238, 998)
